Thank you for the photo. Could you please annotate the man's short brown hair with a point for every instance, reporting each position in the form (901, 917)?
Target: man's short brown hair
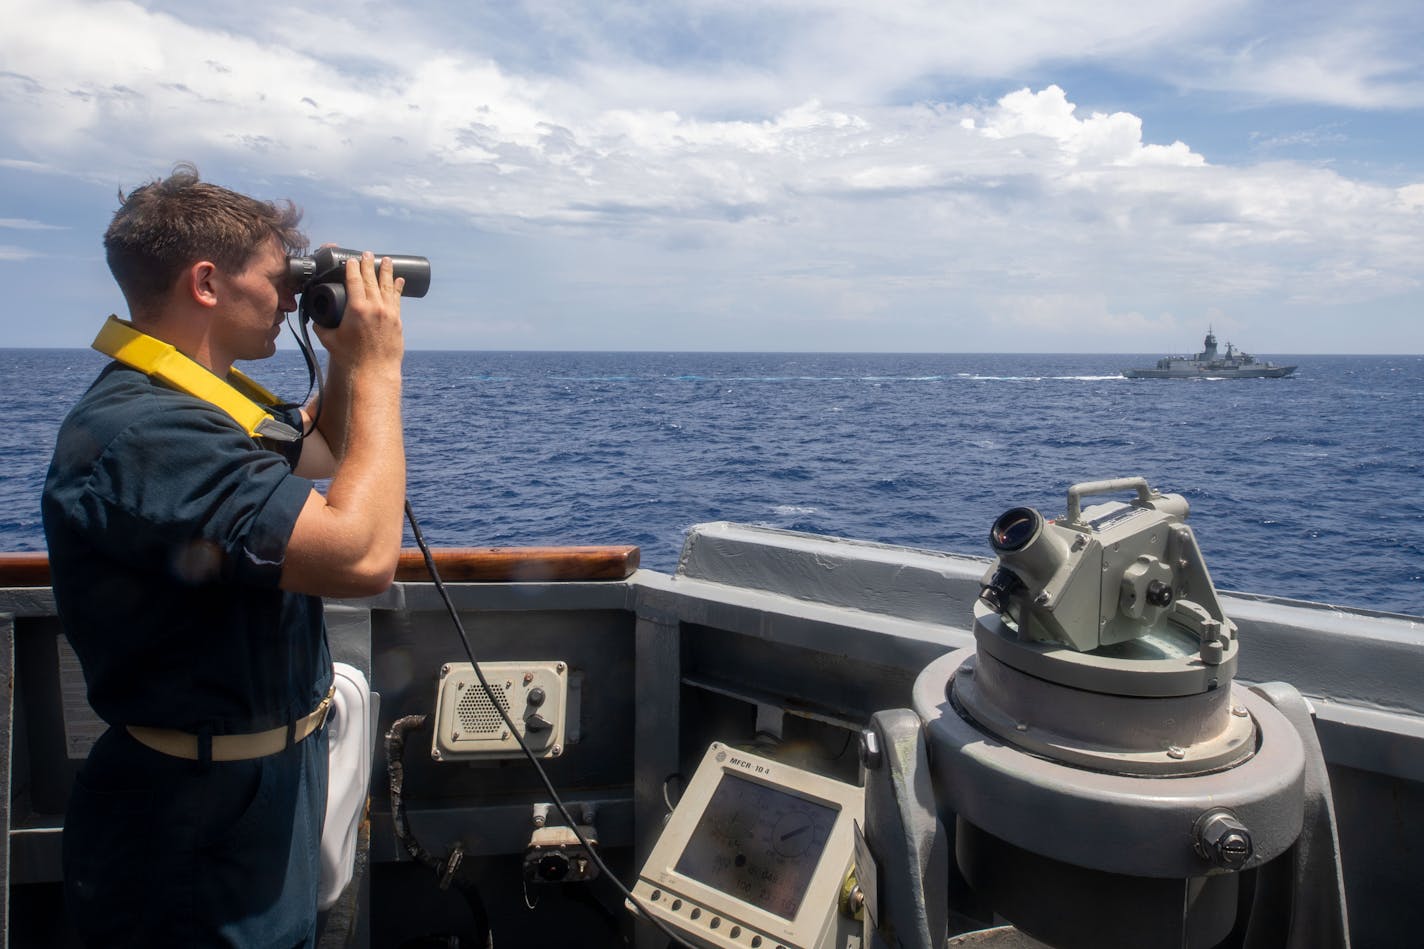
(164, 226)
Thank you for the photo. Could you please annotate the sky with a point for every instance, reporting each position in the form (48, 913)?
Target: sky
(1109, 176)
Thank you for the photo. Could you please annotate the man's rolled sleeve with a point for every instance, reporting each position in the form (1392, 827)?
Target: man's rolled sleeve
(258, 556)
(188, 492)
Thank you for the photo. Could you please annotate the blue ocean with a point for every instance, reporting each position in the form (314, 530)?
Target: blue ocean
(1310, 487)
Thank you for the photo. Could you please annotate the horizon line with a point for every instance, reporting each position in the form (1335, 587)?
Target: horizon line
(766, 352)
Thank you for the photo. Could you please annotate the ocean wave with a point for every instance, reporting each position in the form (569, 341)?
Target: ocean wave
(921, 450)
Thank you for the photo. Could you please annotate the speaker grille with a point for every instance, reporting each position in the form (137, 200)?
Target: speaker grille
(477, 713)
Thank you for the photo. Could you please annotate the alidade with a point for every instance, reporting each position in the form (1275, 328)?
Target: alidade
(1094, 741)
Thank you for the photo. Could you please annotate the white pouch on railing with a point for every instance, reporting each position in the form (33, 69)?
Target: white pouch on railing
(349, 729)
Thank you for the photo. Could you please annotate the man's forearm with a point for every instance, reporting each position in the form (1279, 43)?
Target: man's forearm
(335, 409)
(369, 485)
(347, 543)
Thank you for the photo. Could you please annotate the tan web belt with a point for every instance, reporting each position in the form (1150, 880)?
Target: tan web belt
(234, 747)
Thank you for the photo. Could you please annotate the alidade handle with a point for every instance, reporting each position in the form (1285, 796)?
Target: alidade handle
(1074, 515)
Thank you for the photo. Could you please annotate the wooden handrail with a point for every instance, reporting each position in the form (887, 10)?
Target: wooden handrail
(456, 564)
(24, 569)
(464, 564)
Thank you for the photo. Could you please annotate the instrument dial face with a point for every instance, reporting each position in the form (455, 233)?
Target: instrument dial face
(758, 843)
(794, 833)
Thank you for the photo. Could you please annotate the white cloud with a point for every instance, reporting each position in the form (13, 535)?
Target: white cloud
(1091, 314)
(1100, 139)
(1363, 57)
(1412, 196)
(25, 224)
(806, 153)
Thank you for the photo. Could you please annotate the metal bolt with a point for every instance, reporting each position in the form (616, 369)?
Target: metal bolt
(435, 754)
(459, 686)
(558, 667)
(1223, 839)
(870, 755)
(855, 902)
(504, 734)
(1176, 752)
(1239, 711)
(454, 736)
(1021, 726)
(528, 677)
(445, 669)
(555, 751)
(1235, 847)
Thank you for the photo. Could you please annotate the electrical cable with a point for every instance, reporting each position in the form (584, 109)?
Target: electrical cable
(315, 380)
(446, 871)
(533, 759)
(667, 802)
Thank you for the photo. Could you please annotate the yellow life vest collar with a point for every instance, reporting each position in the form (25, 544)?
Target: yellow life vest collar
(238, 396)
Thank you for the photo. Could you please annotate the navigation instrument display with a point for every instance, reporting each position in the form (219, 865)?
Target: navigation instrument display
(758, 843)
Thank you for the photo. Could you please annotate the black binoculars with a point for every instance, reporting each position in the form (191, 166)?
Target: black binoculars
(320, 280)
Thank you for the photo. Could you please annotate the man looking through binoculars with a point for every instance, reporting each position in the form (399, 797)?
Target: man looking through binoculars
(189, 551)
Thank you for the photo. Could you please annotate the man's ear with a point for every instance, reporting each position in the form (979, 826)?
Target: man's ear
(200, 280)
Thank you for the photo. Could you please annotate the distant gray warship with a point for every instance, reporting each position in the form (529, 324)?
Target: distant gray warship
(1210, 364)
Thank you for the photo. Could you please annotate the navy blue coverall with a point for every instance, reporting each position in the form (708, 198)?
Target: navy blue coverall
(167, 527)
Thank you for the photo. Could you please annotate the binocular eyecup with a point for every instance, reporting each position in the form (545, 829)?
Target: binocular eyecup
(321, 281)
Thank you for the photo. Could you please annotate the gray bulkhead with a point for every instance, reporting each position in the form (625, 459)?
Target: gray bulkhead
(760, 635)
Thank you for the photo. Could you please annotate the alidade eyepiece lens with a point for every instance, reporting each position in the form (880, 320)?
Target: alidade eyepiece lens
(996, 592)
(1015, 529)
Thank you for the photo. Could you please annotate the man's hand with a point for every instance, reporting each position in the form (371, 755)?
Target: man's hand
(370, 330)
